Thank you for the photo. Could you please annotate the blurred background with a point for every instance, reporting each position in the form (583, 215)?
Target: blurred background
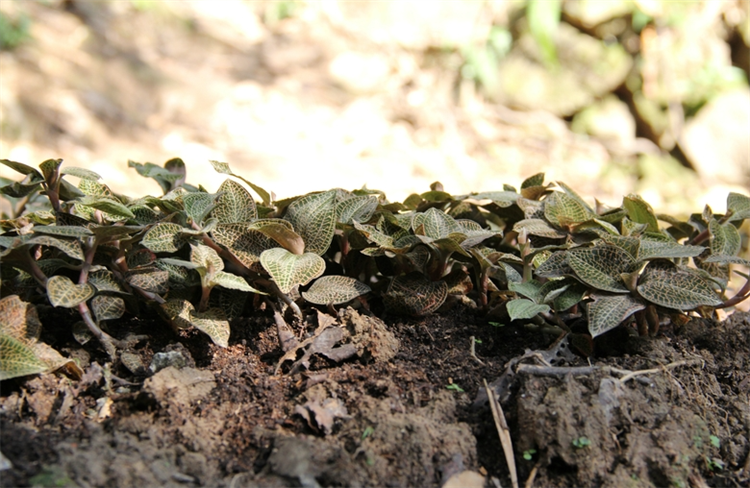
(612, 96)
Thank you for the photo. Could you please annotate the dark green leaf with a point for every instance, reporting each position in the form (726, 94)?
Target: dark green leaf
(62, 292)
(677, 289)
(521, 308)
(601, 266)
(608, 311)
(640, 211)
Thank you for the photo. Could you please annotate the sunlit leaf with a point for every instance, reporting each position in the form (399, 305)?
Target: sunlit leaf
(436, 223)
(83, 173)
(19, 319)
(314, 218)
(223, 168)
(649, 249)
(214, 323)
(359, 208)
(522, 308)
(235, 204)
(739, 205)
(164, 237)
(282, 232)
(198, 205)
(563, 210)
(18, 359)
(244, 242)
(608, 311)
(725, 238)
(62, 292)
(233, 282)
(50, 167)
(288, 270)
(640, 211)
(334, 290)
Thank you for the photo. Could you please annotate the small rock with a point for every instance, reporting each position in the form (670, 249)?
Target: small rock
(179, 386)
(717, 139)
(175, 355)
(465, 479)
(5, 463)
(360, 73)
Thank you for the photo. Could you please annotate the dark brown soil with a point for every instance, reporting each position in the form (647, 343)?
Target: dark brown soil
(227, 418)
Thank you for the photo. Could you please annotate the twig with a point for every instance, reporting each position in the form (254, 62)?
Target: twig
(633, 374)
(504, 432)
(532, 475)
(473, 352)
(584, 370)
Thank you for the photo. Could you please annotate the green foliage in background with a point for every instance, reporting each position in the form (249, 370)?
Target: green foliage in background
(14, 31)
(537, 254)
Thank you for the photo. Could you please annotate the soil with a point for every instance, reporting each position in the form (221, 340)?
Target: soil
(392, 402)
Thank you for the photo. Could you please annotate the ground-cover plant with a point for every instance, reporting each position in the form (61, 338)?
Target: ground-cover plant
(540, 254)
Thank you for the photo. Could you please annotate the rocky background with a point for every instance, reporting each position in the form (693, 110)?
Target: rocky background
(612, 97)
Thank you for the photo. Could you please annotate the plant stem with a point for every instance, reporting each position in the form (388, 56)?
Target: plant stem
(107, 340)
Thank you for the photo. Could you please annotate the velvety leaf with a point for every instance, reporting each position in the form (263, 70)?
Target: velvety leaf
(287, 269)
(529, 289)
(164, 237)
(630, 244)
(71, 248)
(596, 226)
(282, 232)
(198, 205)
(555, 266)
(314, 219)
(107, 307)
(502, 199)
(233, 282)
(50, 167)
(671, 250)
(149, 279)
(203, 256)
(739, 205)
(246, 243)
(108, 205)
(214, 323)
(163, 176)
(359, 208)
(179, 276)
(521, 308)
(140, 258)
(562, 210)
(725, 239)
(373, 235)
(83, 173)
(608, 311)
(570, 296)
(178, 312)
(232, 302)
(64, 231)
(19, 319)
(145, 215)
(105, 281)
(20, 190)
(538, 227)
(334, 290)
(436, 223)
(22, 168)
(235, 204)
(532, 181)
(223, 168)
(640, 211)
(724, 259)
(17, 359)
(62, 292)
(81, 333)
(601, 266)
(415, 295)
(678, 289)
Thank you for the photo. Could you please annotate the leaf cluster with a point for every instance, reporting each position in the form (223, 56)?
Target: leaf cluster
(539, 253)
